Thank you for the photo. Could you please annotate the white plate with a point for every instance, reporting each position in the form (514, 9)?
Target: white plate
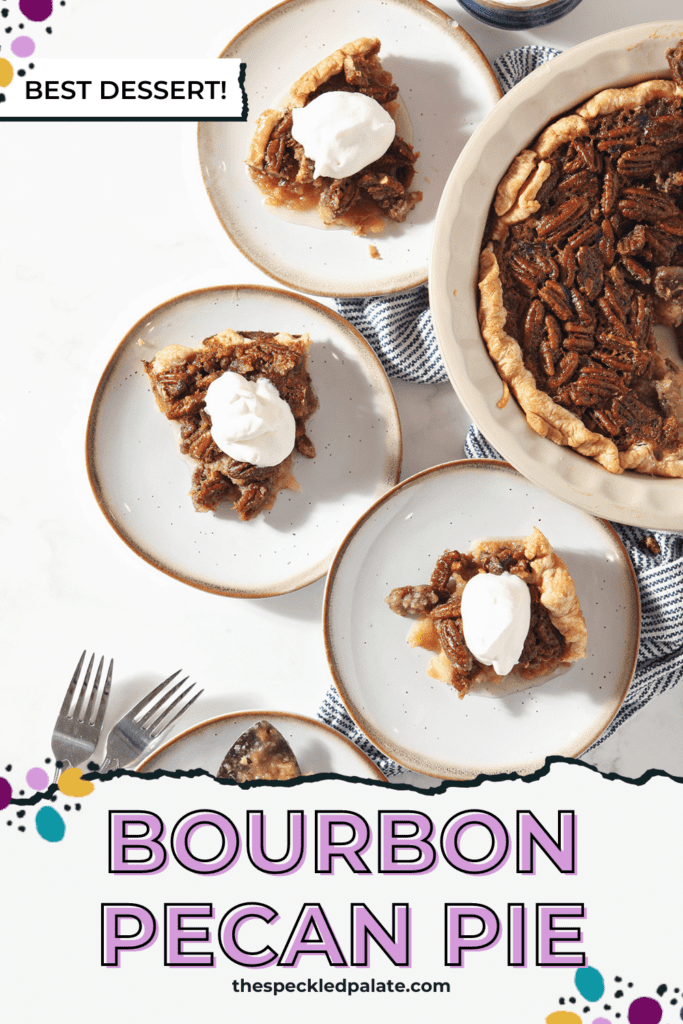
(447, 87)
(421, 723)
(619, 58)
(317, 747)
(141, 481)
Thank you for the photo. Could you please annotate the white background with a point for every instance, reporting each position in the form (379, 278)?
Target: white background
(99, 223)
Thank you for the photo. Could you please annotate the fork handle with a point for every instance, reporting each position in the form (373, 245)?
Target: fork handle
(58, 771)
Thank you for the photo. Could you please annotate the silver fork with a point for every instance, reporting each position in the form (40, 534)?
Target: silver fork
(130, 738)
(75, 735)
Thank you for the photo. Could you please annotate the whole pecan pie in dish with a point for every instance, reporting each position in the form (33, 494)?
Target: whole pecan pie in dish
(181, 376)
(582, 257)
(364, 200)
(557, 631)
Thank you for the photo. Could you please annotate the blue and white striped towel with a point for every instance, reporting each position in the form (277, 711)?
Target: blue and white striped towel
(401, 332)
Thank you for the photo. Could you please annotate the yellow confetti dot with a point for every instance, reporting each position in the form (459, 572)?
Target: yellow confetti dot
(563, 1017)
(6, 72)
(71, 784)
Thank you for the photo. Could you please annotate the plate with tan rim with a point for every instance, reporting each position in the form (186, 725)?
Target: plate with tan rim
(446, 86)
(624, 57)
(318, 748)
(141, 481)
(420, 722)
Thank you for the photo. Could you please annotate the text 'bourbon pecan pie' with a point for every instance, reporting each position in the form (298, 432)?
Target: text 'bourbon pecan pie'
(364, 199)
(583, 255)
(259, 388)
(450, 621)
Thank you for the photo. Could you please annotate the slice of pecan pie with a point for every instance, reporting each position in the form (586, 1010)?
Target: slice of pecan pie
(180, 377)
(282, 171)
(557, 630)
(261, 752)
(583, 255)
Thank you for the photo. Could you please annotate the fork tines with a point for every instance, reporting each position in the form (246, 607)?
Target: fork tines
(88, 716)
(161, 723)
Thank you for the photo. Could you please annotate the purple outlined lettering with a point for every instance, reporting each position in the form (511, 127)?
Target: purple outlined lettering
(547, 935)
(393, 842)
(328, 848)
(177, 934)
(396, 944)
(490, 862)
(124, 842)
(312, 934)
(114, 940)
(228, 934)
(561, 852)
(295, 854)
(182, 836)
(458, 939)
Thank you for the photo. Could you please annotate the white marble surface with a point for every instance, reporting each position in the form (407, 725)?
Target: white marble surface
(98, 223)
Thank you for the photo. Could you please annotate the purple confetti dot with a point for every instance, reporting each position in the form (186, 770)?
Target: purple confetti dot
(37, 778)
(5, 793)
(36, 10)
(644, 1011)
(23, 46)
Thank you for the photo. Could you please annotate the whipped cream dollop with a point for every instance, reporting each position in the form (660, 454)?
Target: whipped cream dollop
(496, 612)
(249, 420)
(342, 132)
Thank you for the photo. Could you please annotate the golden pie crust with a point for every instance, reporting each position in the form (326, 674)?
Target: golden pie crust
(180, 376)
(514, 209)
(281, 170)
(552, 587)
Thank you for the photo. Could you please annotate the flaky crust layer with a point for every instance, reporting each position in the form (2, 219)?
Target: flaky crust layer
(513, 203)
(302, 89)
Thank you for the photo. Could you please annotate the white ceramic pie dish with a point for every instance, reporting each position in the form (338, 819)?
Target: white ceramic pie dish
(447, 87)
(629, 55)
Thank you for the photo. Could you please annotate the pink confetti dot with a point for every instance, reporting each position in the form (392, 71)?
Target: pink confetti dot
(23, 46)
(37, 778)
(5, 793)
(601, 1020)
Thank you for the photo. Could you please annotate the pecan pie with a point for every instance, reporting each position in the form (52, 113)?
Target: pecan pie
(261, 752)
(180, 377)
(557, 630)
(282, 171)
(583, 255)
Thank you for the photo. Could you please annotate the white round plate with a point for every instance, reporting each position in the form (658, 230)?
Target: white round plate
(421, 723)
(447, 87)
(141, 481)
(620, 58)
(317, 747)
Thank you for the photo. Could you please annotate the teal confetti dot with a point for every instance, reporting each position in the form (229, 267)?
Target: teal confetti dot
(50, 824)
(590, 983)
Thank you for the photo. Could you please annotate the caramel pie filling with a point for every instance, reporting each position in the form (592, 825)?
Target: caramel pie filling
(557, 631)
(583, 255)
(180, 378)
(363, 201)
